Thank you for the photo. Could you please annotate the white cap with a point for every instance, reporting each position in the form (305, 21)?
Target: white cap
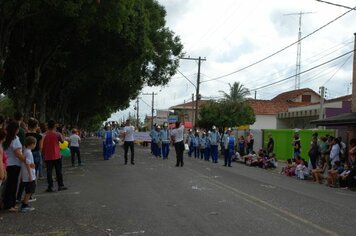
(229, 129)
(214, 127)
(158, 127)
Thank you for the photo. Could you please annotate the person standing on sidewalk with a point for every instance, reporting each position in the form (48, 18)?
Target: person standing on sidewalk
(177, 138)
(15, 157)
(74, 141)
(129, 141)
(52, 156)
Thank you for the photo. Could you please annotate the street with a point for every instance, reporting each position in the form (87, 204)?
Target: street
(153, 197)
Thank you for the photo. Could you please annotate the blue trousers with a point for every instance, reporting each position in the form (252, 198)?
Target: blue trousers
(165, 150)
(202, 153)
(196, 152)
(190, 151)
(214, 153)
(156, 150)
(207, 154)
(227, 157)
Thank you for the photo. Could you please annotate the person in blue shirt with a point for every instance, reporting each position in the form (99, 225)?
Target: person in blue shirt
(229, 147)
(107, 143)
(196, 144)
(207, 147)
(153, 130)
(190, 142)
(214, 139)
(165, 138)
(202, 145)
(156, 141)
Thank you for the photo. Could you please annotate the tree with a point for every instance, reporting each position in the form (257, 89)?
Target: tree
(225, 114)
(77, 60)
(237, 93)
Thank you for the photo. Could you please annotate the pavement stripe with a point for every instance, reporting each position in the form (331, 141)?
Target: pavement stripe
(261, 203)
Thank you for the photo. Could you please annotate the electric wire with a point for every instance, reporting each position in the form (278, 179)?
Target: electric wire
(305, 71)
(281, 50)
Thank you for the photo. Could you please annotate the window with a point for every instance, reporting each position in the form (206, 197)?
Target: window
(306, 98)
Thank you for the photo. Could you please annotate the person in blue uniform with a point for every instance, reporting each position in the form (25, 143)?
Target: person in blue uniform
(214, 138)
(190, 141)
(165, 138)
(202, 145)
(196, 144)
(107, 142)
(229, 145)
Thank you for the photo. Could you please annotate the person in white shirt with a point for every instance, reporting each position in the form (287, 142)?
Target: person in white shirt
(334, 152)
(129, 141)
(177, 138)
(74, 141)
(28, 173)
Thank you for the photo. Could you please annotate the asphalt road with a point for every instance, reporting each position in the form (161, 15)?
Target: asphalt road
(154, 197)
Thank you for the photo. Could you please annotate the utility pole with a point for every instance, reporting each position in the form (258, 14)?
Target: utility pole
(199, 59)
(322, 91)
(299, 48)
(193, 109)
(153, 105)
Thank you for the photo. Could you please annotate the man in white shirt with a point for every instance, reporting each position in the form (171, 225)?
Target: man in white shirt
(177, 138)
(129, 141)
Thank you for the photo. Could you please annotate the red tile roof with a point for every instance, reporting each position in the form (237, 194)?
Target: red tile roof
(188, 105)
(290, 95)
(267, 107)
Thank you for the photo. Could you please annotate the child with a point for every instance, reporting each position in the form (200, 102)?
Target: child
(28, 174)
(301, 171)
(318, 172)
(343, 176)
(287, 170)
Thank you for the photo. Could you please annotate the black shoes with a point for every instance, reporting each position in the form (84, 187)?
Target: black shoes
(62, 188)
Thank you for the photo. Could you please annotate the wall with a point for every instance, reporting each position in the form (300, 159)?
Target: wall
(265, 122)
(283, 139)
(314, 97)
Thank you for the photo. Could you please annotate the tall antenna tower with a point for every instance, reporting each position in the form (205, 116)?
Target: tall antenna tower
(299, 48)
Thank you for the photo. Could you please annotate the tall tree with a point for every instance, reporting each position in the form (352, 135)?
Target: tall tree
(237, 93)
(77, 60)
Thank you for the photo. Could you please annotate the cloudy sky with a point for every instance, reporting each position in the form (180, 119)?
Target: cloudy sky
(234, 34)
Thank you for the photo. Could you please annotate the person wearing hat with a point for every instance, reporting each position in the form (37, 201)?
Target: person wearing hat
(152, 134)
(165, 137)
(229, 147)
(214, 138)
(202, 145)
(207, 153)
(190, 142)
(177, 138)
(196, 144)
(156, 142)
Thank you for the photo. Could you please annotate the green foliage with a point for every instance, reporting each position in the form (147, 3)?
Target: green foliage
(237, 93)
(6, 107)
(77, 60)
(225, 114)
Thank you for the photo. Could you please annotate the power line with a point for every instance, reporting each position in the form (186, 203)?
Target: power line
(281, 50)
(335, 4)
(276, 82)
(338, 70)
(187, 78)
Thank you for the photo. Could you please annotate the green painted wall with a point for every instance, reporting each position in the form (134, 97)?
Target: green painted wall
(283, 141)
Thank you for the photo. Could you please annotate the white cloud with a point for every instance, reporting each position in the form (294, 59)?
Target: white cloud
(232, 34)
